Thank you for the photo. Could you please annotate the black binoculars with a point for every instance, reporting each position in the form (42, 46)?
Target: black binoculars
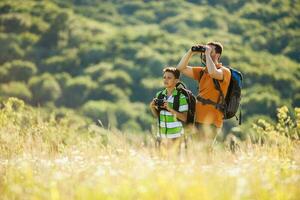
(199, 48)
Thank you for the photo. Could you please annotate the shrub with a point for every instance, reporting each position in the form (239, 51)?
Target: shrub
(282, 133)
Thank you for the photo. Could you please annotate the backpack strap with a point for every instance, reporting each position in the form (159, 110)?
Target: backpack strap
(158, 139)
(179, 87)
(221, 97)
(201, 74)
(161, 95)
(176, 101)
(219, 106)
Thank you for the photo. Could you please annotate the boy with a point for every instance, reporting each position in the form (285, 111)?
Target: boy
(170, 128)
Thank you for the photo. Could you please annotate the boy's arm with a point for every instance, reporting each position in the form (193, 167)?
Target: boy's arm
(154, 109)
(183, 64)
(182, 116)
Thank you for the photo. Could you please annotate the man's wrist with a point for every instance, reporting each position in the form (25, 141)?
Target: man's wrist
(207, 53)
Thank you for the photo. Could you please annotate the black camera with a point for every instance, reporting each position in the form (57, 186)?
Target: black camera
(159, 102)
(199, 48)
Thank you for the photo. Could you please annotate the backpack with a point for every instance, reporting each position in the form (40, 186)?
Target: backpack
(230, 104)
(191, 101)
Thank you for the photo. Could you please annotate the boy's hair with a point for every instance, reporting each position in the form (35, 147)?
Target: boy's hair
(172, 70)
(218, 46)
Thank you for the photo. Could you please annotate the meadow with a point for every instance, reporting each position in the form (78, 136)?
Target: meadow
(82, 74)
(47, 156)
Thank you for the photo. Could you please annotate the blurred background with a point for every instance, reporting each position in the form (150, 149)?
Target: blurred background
(102, 60)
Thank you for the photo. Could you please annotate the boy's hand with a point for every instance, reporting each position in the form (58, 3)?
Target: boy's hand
(152, 104)
(166, 105)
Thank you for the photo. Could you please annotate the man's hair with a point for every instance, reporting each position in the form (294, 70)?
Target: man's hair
(218, 46)
(172, 70)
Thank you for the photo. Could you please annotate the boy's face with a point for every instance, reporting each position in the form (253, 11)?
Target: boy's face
(169, 80)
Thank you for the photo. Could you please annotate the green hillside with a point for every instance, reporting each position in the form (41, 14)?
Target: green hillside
(103, 59)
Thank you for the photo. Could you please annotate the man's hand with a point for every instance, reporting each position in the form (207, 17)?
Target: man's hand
(208, 50)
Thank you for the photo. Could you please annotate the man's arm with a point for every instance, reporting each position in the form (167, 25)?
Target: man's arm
(182, 65)
(211, 67)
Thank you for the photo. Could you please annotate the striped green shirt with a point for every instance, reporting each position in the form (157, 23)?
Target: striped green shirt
(170, 126)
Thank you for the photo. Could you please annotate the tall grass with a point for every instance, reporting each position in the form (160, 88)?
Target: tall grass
(46, 157)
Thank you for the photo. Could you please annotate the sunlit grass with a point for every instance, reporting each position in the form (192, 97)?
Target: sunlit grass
(53, 160)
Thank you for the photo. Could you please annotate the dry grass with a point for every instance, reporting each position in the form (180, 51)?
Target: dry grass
(46, 158)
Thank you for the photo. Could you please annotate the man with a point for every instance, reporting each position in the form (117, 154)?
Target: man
(170, 121)
(209, 119)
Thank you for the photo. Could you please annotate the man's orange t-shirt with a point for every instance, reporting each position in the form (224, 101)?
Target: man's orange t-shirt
(208, 114)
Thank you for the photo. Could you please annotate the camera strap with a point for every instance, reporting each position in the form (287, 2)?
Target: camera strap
(161, 96)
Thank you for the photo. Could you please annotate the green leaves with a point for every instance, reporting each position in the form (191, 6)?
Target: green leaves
(116, 50)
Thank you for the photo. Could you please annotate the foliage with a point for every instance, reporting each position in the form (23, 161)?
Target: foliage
(115, 50)
(16, 89)
(286, 128)
(18, 70)
(77, 90)
(44, 89)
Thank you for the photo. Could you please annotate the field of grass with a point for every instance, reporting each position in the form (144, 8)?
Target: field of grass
(47, 157)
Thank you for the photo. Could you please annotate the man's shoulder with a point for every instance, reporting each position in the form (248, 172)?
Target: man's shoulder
(226, 70)
(196, 72)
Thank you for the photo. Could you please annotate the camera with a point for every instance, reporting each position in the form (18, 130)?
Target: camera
(159, 102)
(199, 48)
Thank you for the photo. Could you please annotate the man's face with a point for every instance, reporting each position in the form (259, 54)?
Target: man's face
(213, 54)
(169, 80)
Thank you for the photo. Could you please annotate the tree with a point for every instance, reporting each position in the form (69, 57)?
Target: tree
(68, 62)
(15, 23)
(56, 36)
(92, 54)
(257, 100)
(44, 89)
(118, 77)
(77, 90)
(16, 89)
(98, 70)
(99, 110)
(9, 48)
(19, 70)
(109, 92)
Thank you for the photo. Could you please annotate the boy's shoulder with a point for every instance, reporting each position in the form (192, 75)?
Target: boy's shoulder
(162, 91)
